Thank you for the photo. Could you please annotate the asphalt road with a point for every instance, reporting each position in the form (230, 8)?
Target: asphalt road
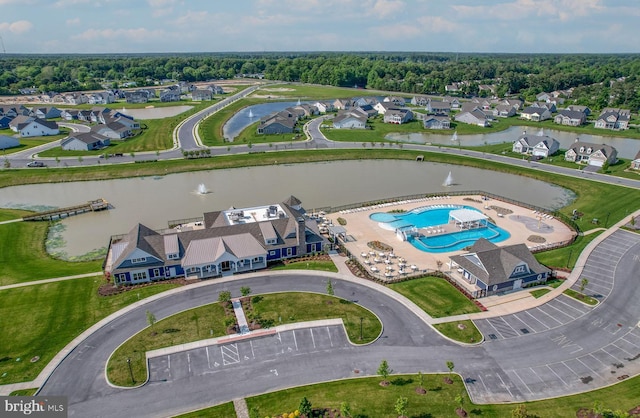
(590, 350)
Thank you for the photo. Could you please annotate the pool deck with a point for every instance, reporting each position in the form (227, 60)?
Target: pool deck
(521, 223)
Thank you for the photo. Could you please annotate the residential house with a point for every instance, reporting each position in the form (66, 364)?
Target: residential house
(515, 103)
(504, 111)
(438, 107)
(350, 119)
(8, 142)
(549, 105)
(398, 116)
(48, 112)
(69, 114)
(369, 110)
(453, 101)
(364, 101)
(170, 95)
(483, 104)
(12, 111)
(18, 121)
(635, 164)
(382, 107)
(591, 154)
(493, 269)
(5, 121)
(122, 119)
(222, 244)
(34, 127)
(474, 117)
(615, 119)
(536, 145)
(396, 100)
(536, 114)
(543, 97)
(342, 104)
(138, 96)
(489, 88)
(113, 130)
(84, 115)
(201, 95)
(579, 108)
(452, 88)
(419, 100)
(101, 97)
(324, 107)
(75, 98)
(99, 114)
(85, 141)
(570, 117)
(279, 123)
(436, 122)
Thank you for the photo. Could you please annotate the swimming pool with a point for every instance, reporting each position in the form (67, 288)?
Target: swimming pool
(437, 215)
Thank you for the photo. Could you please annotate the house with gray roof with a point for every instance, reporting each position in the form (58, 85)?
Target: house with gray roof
(580, 108)
(5, 121)
(493, 269)
(201, 95)
(29, 127)
(45, 112)
(635, 164)
(535, 113)
(436, 122)
(113, 130)
(591, 154)
(278, 123)
(614, 119)
(437, 107)
(398, 116)
(473, 117)
(504, 111)
(536, 145)
(222, 243)
(350, 119)
(419, 100)
(570, 117)
(8, 142)
(85, 141)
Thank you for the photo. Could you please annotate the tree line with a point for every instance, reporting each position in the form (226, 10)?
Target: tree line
(598, 80)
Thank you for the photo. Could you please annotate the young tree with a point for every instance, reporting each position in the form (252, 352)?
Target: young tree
(151, 318)
(384, 371)
(450, 366)
(420, 379)
(460, 401)
(305, 407)
(401, 406)
(245, 290)
(583, 283)
(224, 296)
(329, 287)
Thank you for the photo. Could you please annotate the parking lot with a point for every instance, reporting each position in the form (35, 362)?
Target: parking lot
(213, 358)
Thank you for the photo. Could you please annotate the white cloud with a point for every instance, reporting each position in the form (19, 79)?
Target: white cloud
(386, 8)
(69, 3)
(18, 27)
(73, 22)
(520, 9)
(438, 24)
(129, 35)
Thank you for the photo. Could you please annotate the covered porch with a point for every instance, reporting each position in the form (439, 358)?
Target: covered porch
(464, 219)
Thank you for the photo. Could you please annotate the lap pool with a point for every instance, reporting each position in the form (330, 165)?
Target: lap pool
(433, 216)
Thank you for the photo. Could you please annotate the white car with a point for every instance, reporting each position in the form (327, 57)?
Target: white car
(36, 164)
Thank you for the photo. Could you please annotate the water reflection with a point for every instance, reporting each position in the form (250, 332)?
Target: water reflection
(156, 200)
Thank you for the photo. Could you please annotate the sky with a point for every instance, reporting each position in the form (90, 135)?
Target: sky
(139, 26)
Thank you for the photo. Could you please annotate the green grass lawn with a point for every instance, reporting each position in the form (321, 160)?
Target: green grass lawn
(210, 129)
(26, 259)
(195, 324)
(24, 392)
(208, 322)
(435, 296)
(42, 319)
(321, 265)
(226, 410)
(464, 331)
(377, 133)
(539, 292)
(313, 92)
(368, 399)
(581, 297)
(566, 257)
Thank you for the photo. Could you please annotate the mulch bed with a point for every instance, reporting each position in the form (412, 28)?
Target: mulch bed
(537, 239)
(501, 210)
(108, 289)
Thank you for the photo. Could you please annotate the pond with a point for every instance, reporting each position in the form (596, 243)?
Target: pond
(154, 201)
(626, 147)
(251, 114)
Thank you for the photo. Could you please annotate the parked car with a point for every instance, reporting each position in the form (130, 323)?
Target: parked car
(36, 164)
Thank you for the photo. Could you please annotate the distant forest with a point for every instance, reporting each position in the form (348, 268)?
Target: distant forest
(598, 80)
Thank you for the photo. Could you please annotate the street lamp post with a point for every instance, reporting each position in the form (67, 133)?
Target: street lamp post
(569, 258)
(606, 222)
(133, 381)
(361, 328)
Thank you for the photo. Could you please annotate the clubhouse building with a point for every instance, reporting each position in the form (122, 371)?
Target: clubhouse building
(221, 243)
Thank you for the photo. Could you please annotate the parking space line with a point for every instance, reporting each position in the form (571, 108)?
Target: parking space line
(294, 339)
(492, 326)
(504, 384)
(252, 352)
(572, 307)
(541, 310)
(540, 322)
(525, 385)
(611, 355)
(169, 361)
(208, 359)
(549, 305)
(569, 367)
(509, 325)
(601, 362)
(189, 362)
(585, 365)
(552, 371)
(524, 324)
(312, 339)
(329, 332)
(629, 342)
(537, 375)
(621, 349)
(483, 385)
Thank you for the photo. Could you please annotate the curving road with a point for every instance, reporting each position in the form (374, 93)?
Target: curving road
(589, 348)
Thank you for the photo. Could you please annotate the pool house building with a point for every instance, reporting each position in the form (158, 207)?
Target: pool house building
(465, 219)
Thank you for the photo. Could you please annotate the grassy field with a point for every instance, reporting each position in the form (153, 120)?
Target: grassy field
(42, 319)
(313, 92)
(368, 399)
(566, 257)
(208, 322)
(210, 129)
(377, 133)
(26, 259)
(539, 292)
(226, 410)
(464, 331)
(192, 325)
(435, 296)
(308, 265)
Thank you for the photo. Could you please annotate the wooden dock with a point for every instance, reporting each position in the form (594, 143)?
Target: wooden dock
(49, 215)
